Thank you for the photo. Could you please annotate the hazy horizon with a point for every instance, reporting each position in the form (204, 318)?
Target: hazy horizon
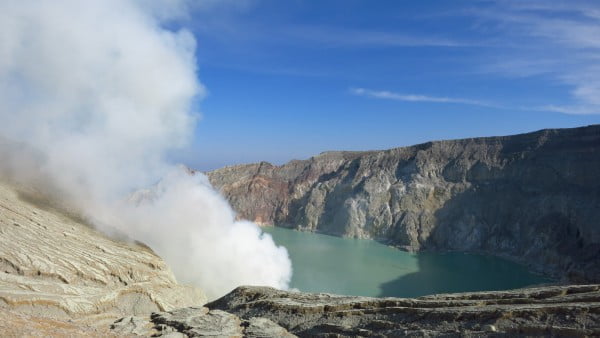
(279, 163)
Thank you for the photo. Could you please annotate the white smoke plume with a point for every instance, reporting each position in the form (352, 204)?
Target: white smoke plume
(102, 91)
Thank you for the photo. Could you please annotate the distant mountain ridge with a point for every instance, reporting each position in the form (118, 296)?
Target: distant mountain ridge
(531, 197)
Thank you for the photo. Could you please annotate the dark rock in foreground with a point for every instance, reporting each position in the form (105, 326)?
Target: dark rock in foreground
(266, 312)
(198, 322)
(533, 197)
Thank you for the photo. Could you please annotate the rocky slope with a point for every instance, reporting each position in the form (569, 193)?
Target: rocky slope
(572, 311)
(55, 267)
(14, 324)
(532, 197)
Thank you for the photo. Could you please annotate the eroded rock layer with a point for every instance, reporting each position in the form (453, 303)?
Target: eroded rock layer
(532, 197)
(198, 322)
(265, 312)
(53, 266)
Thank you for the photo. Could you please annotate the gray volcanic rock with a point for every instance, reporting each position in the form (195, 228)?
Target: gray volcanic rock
(198, 322)
(546, 311)
(532, 197)
(566, 310)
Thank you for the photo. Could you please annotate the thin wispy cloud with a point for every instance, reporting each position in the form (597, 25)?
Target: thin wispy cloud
(553, 42)
(344, 37)
(558, 40)
(387, 95)
(572, 110)
(319, 36)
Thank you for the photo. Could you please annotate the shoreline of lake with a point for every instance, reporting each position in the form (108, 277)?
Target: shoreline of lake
(320, 263)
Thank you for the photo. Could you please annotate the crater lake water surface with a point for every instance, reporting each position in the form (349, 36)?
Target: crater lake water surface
(359, 267)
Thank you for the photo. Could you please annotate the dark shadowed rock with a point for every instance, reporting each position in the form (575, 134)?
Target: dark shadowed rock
(545, 311)
(198, 322)
(532, 197)
(266, 312)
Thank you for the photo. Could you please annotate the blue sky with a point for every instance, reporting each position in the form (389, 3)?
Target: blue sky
(290, 79)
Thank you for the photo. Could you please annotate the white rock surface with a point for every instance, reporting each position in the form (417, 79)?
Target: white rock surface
(52, 265)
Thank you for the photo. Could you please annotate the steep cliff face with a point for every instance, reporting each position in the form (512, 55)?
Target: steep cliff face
(533, 197)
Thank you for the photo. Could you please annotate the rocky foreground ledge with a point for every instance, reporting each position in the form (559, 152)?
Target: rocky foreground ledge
(265, 312)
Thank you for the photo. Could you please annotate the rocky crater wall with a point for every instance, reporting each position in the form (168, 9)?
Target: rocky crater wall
(532, 197)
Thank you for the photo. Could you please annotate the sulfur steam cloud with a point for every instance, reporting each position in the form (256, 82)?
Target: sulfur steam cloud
(94, 94)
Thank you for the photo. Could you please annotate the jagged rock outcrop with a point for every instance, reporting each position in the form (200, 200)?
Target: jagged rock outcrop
(265, 312)
(198, 322)
(532, 197)
(53, 266)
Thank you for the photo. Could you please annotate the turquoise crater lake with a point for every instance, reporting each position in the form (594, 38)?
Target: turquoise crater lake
(358, 267)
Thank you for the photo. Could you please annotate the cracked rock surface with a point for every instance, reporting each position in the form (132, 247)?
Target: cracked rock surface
(553, 310)
(572, 310)
(54, 266)
(198, 322)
